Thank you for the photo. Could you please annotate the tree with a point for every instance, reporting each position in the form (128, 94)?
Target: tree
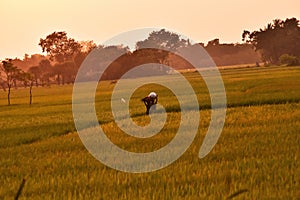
(277, 38)
(36, 73)
(231, 54)
(66, 72)
(46, 70)
(42, 72)
(214, 42)
(87, 46)
(2, 81)
(98, 61)
(61, 49)
(10, 75)
(288, 60)
(28, 79)
(163, 40)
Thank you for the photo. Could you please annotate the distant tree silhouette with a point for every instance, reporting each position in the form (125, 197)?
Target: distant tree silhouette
(46, 71)
(36, 72)
(2, 81)
(60, 49)
(42, 73)
(87, 46)
(288, 60)
(277, 38)
(28, 61)
(28, 80)
(231, 54)
(214, 42)
(165, 40)
(99, 59)
(10, 74)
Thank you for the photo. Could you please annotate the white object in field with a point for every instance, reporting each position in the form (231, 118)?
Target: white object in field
(123, 100)
(152, 95)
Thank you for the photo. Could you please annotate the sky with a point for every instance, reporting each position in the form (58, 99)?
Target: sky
(23, 23)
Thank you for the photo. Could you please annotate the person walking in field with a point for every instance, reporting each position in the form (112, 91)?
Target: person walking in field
(150, 100)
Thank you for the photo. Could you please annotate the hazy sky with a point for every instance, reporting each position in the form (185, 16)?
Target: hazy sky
(23, 23)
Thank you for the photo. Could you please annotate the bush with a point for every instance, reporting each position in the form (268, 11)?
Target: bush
(286, 59)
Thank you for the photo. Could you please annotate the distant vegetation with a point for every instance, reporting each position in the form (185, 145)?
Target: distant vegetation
(278, 43)
(282, 37)
(232, 54)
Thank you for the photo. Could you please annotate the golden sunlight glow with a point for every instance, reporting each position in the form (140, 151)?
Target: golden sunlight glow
(23, 23)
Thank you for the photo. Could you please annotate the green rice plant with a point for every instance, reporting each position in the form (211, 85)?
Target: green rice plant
(256, 157)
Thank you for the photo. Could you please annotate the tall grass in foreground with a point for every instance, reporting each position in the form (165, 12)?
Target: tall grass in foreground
(261, 156)
(258, 150)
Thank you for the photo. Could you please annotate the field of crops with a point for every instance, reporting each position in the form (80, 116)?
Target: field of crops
(256, 157)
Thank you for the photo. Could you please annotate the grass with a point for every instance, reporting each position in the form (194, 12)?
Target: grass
(256, 157)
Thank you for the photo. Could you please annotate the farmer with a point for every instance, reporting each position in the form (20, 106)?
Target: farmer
(150, 100)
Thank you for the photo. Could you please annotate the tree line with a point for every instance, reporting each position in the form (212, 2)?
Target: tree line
(277, 43)
(64, 56)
